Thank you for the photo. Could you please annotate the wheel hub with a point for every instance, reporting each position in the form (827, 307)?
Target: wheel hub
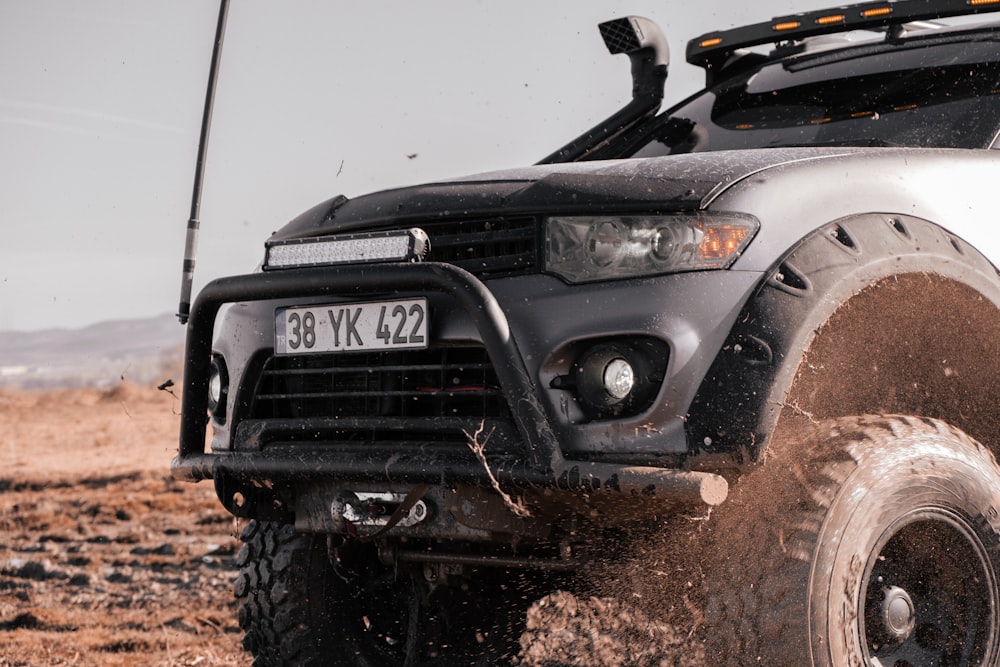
(898, 615)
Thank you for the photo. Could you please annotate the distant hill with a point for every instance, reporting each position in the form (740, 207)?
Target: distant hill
(143, 351)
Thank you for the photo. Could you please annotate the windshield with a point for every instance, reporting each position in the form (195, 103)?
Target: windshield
(930, 94)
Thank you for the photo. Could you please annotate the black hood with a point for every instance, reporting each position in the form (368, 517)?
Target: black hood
(674, 183)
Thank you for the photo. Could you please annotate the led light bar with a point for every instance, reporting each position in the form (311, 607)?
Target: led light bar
(402, 245)
(712, 49)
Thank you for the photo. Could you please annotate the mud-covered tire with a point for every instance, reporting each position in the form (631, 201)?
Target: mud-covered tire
(283, 588)
(298, 608)
(869, 541)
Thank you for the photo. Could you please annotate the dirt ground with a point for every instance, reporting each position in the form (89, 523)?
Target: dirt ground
(105, 560)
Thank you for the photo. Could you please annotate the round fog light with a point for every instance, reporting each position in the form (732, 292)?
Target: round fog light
(218, 387)
(615, 379)
(214, 389)
(619, 378)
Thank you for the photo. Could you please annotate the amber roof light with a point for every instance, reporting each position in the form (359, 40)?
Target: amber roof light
(712, 49)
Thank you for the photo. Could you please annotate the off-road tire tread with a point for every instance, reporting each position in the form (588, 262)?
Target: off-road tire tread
(274, 565)
(761, 619)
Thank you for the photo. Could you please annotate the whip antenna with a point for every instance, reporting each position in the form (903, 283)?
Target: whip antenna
(191, 242)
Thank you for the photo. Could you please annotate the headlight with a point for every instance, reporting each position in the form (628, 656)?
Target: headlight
(589, 248)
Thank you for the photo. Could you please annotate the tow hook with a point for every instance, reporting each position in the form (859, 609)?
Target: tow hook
(379, 509)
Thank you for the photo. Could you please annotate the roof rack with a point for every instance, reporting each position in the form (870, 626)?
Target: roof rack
(713, 49)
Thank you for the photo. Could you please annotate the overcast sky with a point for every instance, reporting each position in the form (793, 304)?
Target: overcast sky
(100, 105)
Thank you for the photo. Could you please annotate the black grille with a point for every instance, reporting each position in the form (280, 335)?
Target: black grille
(619, 36)
(444, 382)
(495, 246)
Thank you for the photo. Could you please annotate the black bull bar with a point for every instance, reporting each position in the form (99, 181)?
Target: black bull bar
(545, 465)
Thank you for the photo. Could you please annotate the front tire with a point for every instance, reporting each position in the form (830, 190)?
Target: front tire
(296, 608)
(283, 588)
(871, 541)
(299, 608)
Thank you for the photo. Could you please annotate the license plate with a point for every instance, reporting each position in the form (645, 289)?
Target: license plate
(343, 327)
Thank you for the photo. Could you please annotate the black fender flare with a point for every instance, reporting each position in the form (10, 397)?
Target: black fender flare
(754, 379)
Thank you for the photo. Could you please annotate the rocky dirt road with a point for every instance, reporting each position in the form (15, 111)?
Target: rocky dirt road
(104, 560)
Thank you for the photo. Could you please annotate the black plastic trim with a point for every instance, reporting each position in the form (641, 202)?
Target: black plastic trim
(737, 407)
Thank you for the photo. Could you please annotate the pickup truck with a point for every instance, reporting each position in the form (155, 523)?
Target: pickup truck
(777, 299)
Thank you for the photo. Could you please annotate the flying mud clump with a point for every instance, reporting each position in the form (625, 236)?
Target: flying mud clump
(563, 629)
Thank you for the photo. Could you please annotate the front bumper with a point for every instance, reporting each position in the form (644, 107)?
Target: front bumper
(544, 464)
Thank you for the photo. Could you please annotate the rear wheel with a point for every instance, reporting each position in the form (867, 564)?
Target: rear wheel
(871, 541)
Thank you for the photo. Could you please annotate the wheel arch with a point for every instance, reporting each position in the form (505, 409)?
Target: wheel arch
(874, 313)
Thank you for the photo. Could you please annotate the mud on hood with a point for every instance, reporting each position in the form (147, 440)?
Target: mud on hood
(674, 183)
